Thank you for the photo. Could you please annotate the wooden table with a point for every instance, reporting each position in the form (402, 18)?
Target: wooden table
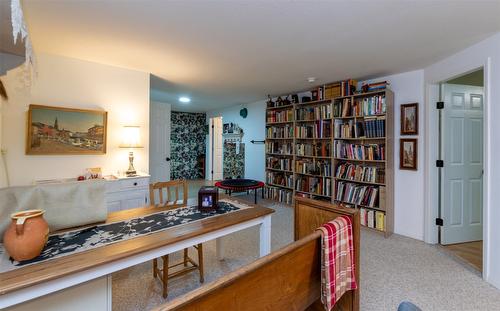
(54, 275)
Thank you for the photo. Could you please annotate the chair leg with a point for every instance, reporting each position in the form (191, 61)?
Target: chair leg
(200, 262)
(155, 267)
(185, 257)
(165, 276)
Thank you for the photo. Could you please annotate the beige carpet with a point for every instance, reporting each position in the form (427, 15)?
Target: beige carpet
(392, 270)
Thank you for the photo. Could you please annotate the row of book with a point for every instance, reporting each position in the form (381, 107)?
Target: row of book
(373, 105)
(284, 164)
(374, 127)
(344, 150)
(274, 116)
(319, 149)
(345, 108)
(320, 129)
(314, 167)
(316, 185)
(314, 113)
(278, 147)
(368, 128)
(348, 129)
(279, 179)
(348, 87)
(360, 173)
(279, 194)
(372, 219)
(280, 132)
(357, 194)
(377, 86)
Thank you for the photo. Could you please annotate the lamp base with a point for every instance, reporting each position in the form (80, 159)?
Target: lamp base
(131, 172)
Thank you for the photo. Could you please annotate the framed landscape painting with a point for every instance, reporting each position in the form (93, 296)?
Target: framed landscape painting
(63, 131)
(408, 156)
(409, 119)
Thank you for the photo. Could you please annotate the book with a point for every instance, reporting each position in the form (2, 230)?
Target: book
(380, 221)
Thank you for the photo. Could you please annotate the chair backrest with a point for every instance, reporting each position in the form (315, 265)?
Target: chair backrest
(169, 187)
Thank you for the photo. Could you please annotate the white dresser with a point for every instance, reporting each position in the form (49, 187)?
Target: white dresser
(127, 192)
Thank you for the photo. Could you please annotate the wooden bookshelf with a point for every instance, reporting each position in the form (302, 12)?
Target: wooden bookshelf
(279, 144)
(317, 150)
(374, 134)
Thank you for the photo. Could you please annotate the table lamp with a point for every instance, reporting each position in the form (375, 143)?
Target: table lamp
(131, 139)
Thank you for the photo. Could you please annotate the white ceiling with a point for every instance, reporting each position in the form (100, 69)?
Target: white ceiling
(223, 53)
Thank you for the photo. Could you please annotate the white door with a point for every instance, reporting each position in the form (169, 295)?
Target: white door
(159, 141)
(462, 147)
(215, 149)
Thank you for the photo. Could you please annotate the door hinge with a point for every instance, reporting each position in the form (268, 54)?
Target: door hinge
(439, 163)
(211, 172)
(440, 105)
(439, 222)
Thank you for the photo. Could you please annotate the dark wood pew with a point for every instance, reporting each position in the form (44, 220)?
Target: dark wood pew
(288, 279)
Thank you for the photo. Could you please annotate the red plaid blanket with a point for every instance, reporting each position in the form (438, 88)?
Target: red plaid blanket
(337, 260)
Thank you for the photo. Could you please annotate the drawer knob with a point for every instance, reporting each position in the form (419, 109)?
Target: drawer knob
(135, 184)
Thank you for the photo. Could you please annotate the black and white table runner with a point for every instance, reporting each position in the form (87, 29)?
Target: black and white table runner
(76, 241)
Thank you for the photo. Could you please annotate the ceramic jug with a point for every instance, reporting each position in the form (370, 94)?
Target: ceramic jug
(26, 236)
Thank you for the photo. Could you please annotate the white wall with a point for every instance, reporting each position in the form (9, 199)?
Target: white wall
(408, 88)
(487, 54)
(254, 128)
(73, 83)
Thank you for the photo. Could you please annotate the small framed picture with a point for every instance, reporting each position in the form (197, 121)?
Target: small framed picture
(207, 198)
(408, 154)
(409, 119)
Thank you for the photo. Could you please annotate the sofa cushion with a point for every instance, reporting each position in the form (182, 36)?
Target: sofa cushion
(66, 205)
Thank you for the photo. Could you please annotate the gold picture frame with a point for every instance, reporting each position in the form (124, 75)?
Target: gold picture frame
(65, 131)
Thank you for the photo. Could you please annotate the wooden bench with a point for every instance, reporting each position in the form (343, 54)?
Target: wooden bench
(288, 279)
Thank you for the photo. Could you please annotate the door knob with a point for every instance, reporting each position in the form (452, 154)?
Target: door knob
(167, 159)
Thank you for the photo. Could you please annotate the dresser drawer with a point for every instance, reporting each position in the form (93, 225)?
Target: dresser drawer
(133, 183)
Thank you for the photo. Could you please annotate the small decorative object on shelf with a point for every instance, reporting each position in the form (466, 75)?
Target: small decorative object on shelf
(207, 198)
(26, 236)
(93, 173)
(270, 102)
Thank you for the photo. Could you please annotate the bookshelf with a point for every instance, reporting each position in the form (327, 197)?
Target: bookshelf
(363, 161)
(336, 148)
(279, 152)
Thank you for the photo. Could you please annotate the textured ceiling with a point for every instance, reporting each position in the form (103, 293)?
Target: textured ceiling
(223, 53)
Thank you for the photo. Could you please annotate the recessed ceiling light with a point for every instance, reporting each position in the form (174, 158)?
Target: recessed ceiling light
(311, 79)
(184, 99)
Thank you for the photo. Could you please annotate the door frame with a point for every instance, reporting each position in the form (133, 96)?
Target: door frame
(432, 95)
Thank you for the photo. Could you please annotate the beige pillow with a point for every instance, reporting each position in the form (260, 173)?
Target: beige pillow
(66, 205)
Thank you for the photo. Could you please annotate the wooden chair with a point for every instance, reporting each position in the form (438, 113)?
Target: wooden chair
(170, 203)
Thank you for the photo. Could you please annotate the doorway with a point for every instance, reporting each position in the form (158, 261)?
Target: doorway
(215, 152)
(461, 146)
(159, 141)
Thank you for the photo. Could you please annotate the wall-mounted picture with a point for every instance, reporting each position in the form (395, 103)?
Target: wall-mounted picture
(63, 131)
(408, 157)
(409, 119)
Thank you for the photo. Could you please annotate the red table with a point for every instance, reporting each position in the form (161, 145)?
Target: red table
(240, 185)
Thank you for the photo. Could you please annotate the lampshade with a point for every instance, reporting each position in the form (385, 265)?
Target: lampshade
(131, 137)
